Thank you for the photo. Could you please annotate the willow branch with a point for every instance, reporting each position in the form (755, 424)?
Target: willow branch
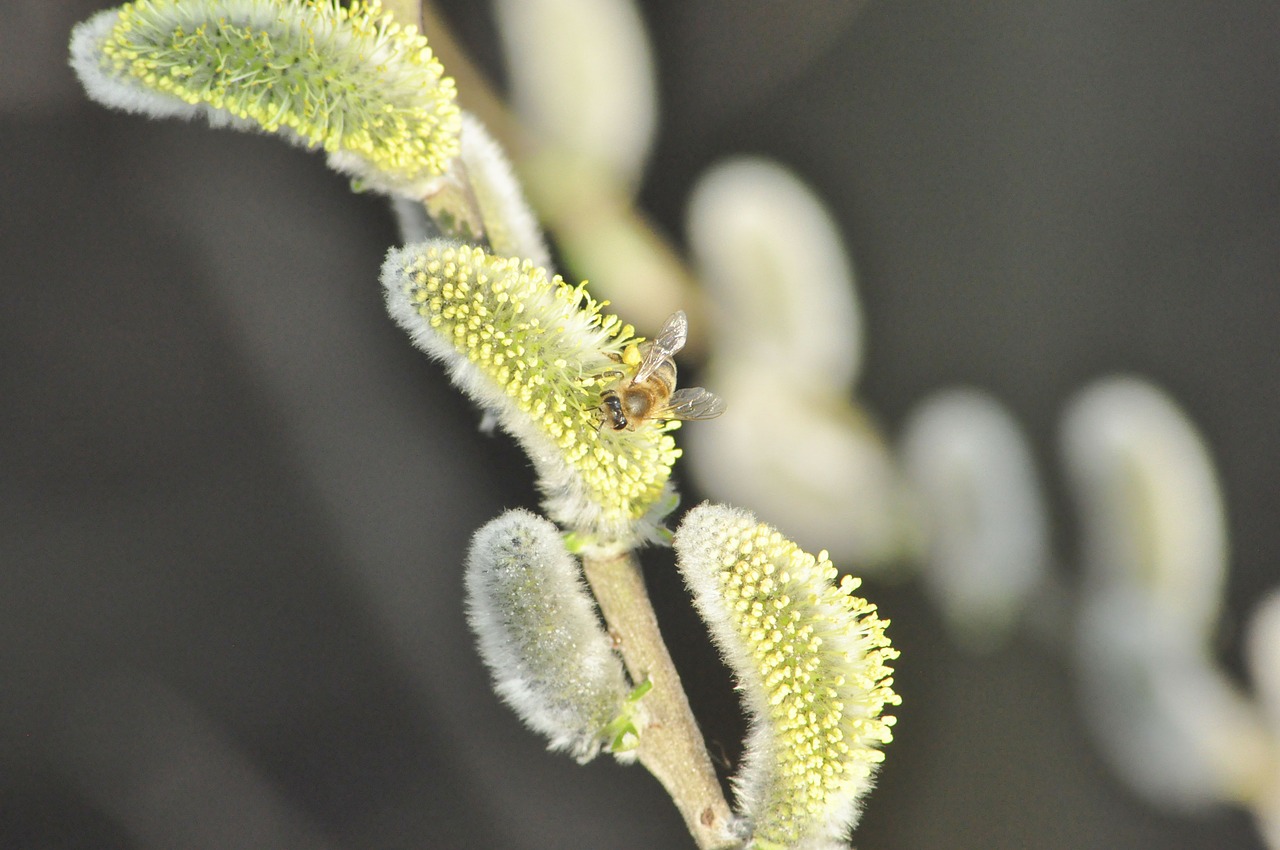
(671, 746)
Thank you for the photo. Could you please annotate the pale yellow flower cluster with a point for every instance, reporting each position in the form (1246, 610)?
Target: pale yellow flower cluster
(351, 81)
(811, 659)
(535, 351)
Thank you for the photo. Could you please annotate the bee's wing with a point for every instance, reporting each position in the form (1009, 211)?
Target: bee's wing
(693, 403)
(668, 341)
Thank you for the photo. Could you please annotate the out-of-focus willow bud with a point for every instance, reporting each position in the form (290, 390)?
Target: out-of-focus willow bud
(1168, 720)
(982, 511)
(1153, 527)
(348, 80)
(778, 278)
(582, 79)
(1151, 511)
(814, 463)
(538, 633)
(811, 660)
(1262, 653)
(786, 347)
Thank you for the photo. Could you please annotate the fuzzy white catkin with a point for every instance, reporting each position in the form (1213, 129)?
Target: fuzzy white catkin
(786, 347)
(781, 284)
(1152, 513)
(582, 77)
(537, 631)
(983, 510)
(1155, 553)
(1262, 652)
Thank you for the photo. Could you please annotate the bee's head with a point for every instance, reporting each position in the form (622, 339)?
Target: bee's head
(611, 405)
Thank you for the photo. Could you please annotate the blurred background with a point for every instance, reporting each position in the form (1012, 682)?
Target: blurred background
(234, 500)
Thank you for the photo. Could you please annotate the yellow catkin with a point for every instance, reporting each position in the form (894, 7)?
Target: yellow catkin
(350, 81)
(813, 662)
(542, 348)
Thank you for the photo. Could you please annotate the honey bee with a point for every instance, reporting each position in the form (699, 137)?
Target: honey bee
(651, 393)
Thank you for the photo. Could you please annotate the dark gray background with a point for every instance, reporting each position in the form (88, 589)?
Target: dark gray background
(234, 500)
